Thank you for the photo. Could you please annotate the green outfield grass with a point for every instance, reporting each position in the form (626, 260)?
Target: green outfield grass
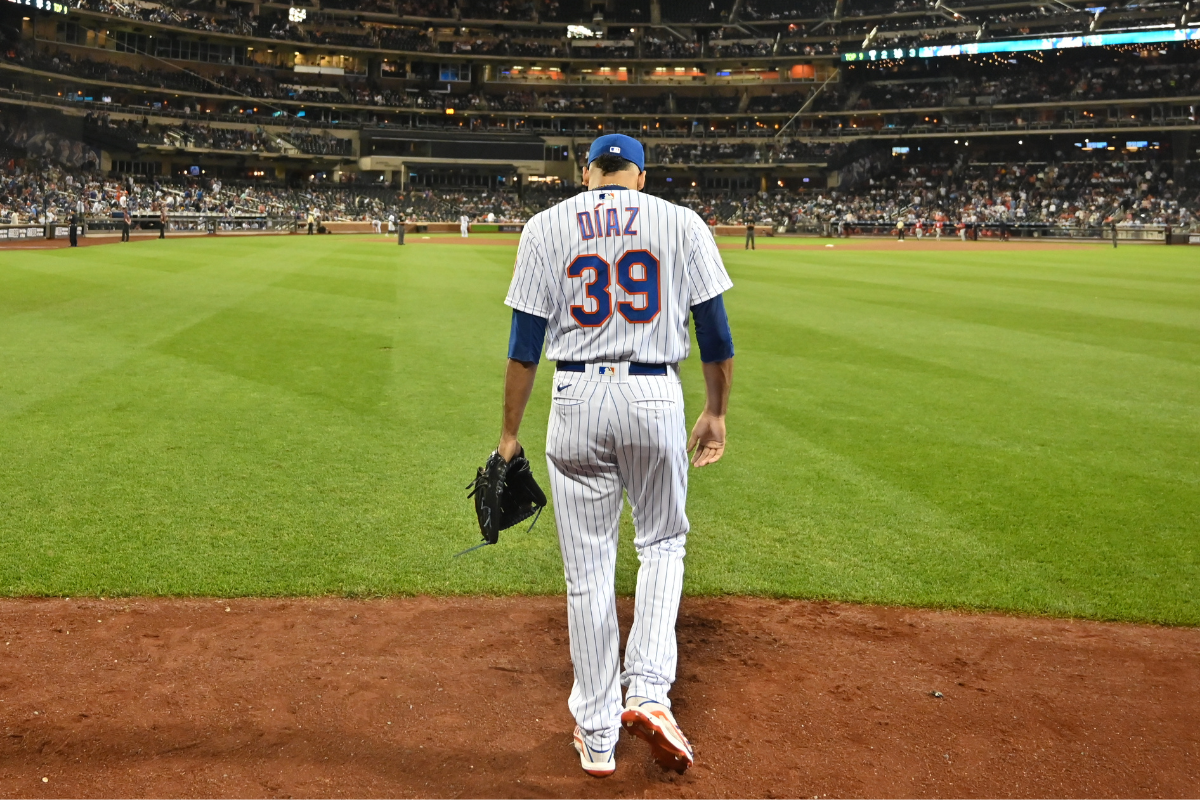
(1013, 430)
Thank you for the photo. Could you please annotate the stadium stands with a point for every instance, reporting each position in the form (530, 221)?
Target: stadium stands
(1067, 198)
(763, 109)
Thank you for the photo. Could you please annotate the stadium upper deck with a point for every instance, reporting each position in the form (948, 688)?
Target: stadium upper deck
(754, 90)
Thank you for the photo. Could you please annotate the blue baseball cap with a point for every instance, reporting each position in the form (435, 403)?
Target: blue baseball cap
(618, 144)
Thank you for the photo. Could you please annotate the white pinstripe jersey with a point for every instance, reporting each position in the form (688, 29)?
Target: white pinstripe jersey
(616, 272)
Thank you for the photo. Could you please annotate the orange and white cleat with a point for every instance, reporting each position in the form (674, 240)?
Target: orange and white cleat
(653, 722)
(597, 763)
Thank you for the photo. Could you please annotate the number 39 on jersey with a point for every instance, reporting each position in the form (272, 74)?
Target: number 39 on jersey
(615, 273)
(637, 274)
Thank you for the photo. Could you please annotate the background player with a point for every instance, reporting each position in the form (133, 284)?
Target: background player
(611, 275)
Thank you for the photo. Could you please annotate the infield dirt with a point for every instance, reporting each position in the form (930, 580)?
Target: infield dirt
(467, 697)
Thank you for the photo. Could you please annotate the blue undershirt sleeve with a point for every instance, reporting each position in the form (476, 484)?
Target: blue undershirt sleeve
(526, 337)
(712, 330)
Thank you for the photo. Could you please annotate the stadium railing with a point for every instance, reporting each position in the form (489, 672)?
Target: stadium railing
(144, 225)
(190, 223)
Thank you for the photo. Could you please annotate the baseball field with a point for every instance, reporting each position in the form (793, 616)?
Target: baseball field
(975, 428)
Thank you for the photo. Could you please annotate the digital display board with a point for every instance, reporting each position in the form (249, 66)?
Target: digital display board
(883, 54)
(1026, 45)
(44, 5)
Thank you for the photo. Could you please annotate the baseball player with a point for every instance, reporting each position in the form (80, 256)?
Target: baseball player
(464, 223)
(607, 281)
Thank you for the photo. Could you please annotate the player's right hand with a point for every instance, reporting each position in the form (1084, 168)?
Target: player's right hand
(707, 439)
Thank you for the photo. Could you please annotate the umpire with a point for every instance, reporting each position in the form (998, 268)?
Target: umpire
(750, 235)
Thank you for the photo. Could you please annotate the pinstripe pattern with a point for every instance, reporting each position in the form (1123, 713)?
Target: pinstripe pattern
(609, 435)
(612, 434)
(691, 271)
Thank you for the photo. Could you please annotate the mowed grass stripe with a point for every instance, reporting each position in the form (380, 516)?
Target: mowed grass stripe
(955, 337)
(957, 413)
(299, 415)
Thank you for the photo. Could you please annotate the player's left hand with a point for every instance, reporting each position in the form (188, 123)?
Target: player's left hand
(508, 447)
(707, 439)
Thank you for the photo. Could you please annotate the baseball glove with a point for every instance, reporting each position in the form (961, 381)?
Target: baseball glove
(505, 493)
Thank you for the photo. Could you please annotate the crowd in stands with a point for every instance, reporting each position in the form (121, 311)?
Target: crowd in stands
(653, 47)
(706, 104)
(44, 192)
(1071, 79)
(819, 28)
(775, 102)
(788, 9)
(708, 153)
(1066, 82)
(1082, 194)
(188, 135)
(205, 136)
(798, 150)
(1077, 195)
(130, 133)
(30, 136)
(324, 144)
(760, 49)
(166, 14)
(747, 153)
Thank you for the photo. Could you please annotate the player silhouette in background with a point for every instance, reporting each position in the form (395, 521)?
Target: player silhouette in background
(607, 280)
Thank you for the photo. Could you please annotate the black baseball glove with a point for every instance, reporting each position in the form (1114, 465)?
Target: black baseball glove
(505, 493)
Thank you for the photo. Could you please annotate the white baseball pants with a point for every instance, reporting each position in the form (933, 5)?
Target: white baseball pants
(610, 431)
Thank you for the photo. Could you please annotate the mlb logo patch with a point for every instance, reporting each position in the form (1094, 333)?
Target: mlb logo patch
(614, 150)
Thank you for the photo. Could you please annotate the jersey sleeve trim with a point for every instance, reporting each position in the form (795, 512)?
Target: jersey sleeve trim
(518, 304)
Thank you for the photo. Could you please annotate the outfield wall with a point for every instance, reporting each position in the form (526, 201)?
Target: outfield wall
(106, 228)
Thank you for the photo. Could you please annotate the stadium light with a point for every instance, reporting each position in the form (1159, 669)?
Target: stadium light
(297, 14)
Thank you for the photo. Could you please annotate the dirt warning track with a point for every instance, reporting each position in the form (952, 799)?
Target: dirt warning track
(467, 697)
